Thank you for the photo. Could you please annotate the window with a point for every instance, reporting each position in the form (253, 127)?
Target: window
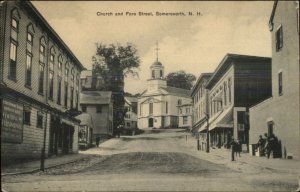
(179, 102)
(59, 66)
(41, 79)
(180, 111)
(225, 94)
(279, 38)
(66, 73)
(77, 98)
(166, 107)
(83, 108)
(72, 97)
(42, 53)
(153, 74)
(51, 84)
(297, 12)
(99, 109)
(161, 73)
(28, 70)
(13, 61)
(66, 94)
(59, 92)
(187, 110)
(39, 119)
(280, 85)
(150, 108)
(185, 120)
(229, 90)
(26, 119)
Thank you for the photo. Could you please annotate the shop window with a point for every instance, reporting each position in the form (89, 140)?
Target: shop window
(26, 119)
(39, 119)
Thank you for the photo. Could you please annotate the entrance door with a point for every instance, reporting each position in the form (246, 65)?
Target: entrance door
(150, 122)
(270, 128)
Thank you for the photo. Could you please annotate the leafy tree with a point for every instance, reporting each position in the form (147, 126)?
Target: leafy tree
(111, 64)
(180, 79)
(114, 62)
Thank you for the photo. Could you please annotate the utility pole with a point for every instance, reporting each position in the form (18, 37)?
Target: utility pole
(207, 133)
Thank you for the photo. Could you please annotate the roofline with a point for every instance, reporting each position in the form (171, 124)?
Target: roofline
(54, 34)
(202, 75)
(272, 15)
(227, 58)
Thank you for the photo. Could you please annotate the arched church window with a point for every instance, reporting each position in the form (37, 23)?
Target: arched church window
(153, 74)
(161, 73)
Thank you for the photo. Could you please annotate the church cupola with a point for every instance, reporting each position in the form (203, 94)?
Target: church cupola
(157, 69)
(157, 79)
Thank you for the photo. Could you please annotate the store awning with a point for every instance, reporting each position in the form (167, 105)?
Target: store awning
(223, 119)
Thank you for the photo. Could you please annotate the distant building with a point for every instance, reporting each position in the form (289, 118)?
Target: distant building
(130, 114)
(85, 132)
(86, 79)
(99, 104)
(239, 82)
(280, 113)
(39, 86)
(185, 116)
(158, 106)
(200, 107)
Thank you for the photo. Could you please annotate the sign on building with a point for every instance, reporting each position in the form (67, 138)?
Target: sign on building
(12, 122)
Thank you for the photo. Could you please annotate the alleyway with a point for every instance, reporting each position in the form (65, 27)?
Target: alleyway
(155, 161)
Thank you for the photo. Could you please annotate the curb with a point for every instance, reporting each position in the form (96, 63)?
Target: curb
(38, 169)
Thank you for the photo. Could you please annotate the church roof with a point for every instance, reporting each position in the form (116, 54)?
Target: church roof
(156, 63)
(177, 91)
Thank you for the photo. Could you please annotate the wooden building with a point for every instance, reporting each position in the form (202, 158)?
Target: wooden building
(239, 82)
(280, 114)
(39, 86)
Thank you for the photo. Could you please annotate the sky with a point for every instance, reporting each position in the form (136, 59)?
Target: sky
(195, 44)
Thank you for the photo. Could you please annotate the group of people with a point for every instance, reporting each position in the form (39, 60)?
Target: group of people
(269, 145)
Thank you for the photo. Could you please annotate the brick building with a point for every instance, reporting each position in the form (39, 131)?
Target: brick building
(280, 113)
(39, 85)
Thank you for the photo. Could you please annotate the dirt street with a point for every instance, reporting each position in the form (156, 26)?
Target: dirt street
(153, 161)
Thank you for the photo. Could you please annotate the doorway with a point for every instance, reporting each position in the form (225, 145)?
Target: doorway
(150, 122)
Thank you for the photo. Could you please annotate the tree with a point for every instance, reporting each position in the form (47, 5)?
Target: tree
(114, 61)
(180, 79)
(111, 64)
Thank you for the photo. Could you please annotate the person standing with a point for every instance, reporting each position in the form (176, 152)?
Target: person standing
(97, 141)
(233, 148)
(238, 147)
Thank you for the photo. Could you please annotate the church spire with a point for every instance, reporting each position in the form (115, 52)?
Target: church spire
(157, 49)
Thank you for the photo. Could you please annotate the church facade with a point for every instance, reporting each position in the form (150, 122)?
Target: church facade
(159, 105)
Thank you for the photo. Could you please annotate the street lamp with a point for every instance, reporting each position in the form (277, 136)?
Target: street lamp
(207, 133)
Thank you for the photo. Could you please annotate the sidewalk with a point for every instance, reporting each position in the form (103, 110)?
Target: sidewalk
(34, 166)
(223, 156)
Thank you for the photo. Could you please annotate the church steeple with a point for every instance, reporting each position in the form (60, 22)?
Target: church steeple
(157, 49)
(157, 79)
(157, 69)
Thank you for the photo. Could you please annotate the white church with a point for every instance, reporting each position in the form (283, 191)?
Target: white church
(162, 106)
